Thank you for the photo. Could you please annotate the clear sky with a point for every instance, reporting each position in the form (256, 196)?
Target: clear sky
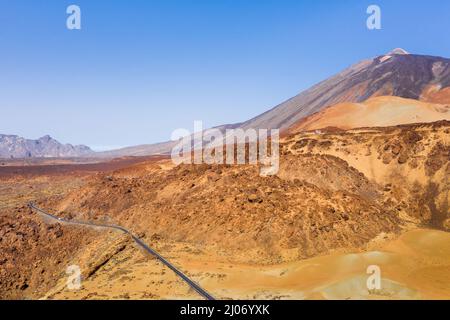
(139, 69)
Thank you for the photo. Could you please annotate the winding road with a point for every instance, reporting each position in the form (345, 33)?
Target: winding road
(138, 241)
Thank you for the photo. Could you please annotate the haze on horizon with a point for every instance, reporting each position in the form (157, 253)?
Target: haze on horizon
(134, 73)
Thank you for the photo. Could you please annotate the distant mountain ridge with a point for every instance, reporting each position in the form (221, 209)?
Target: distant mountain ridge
(13, 146)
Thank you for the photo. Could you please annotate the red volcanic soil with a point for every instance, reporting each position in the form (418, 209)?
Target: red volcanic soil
(49, 167)
(375, 112)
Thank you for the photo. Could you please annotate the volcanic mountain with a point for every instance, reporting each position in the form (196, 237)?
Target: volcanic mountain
(395, 74)
(12, 146)
(424, 79)
(398, 73)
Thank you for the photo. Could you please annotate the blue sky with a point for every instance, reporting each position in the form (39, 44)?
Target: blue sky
(139, 69)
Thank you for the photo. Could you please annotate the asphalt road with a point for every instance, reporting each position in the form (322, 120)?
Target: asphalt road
(138, 241)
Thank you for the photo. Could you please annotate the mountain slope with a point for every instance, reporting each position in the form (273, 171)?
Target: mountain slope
(375, 112)
(12, 146)
(140, 150)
